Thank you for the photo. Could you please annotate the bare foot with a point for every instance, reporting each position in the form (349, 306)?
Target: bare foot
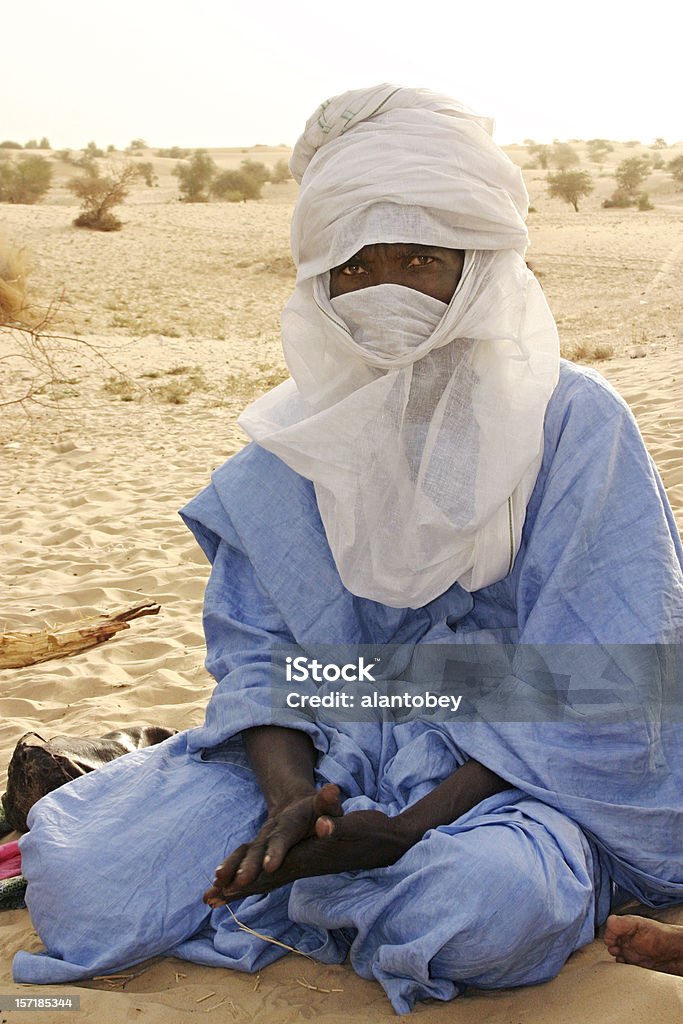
(645, 943)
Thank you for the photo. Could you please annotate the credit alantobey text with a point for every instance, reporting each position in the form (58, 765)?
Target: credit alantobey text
(303, 670)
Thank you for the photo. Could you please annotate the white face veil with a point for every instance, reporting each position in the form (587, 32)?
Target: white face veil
(419, 423)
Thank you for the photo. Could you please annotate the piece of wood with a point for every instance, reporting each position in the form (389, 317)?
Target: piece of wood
(17, 650)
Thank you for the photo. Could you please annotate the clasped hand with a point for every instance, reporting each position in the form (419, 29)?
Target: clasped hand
(309, 836)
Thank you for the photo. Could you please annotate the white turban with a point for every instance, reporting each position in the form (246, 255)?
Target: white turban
(423, 448)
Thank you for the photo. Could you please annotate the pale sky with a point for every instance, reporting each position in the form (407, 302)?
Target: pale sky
(233, 73)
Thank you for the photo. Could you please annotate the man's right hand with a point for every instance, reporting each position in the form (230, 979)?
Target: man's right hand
(284, 828)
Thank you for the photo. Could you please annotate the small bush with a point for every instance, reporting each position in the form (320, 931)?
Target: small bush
(174, 153)
(98, 221)
(187, 380)
(280, 173)
(235, 186)
(246, 183)
(563, 156)
(598, 149)
(8, 144)
(146, 172)
(541, 154)
(31, 144)
(255, 171)
(570, 186)
(99, 194)
(13, 273)
(44, 143)
(587, 352)
(644, 202)
(25, 181)
(631, 173)
(121, 387)
(196, 177)
(138, 144)
(620, 199)
(92, 150)
(675, 168)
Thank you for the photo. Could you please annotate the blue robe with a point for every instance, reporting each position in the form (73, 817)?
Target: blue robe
(499, 897)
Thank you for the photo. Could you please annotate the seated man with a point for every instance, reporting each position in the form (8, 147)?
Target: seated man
(432, 478)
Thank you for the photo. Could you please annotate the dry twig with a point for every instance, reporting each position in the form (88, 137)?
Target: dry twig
(315, 988)
(266, 938)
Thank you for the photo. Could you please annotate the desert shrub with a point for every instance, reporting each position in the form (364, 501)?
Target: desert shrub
(196, 177)
(590, 352)
(8, 144)
(222, 190)
(138, 144)
(245, 183)
(25, 181)
(98, 221)
(86, 161)
(280, 173)
(563, 156)
(100, 193)
(620, 198)
(44, 143)
(146, 171)
(121, 387)
(659, 143)
(13, 272)
(174, 153)
(62, 154)
(255, 170)
(541, 154)
(658, 162)
(598, 149)
(643, 202)
(632, 172)
(187, 379)
(31, 144)
(675, 168)
(235, 186)
(570, 186)
(92, 150)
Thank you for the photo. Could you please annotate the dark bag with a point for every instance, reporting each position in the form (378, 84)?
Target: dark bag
(38, 766)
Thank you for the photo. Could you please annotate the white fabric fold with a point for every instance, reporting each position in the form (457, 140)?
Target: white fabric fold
(420, 424)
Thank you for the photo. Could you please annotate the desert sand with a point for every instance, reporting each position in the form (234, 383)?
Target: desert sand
(168, 329)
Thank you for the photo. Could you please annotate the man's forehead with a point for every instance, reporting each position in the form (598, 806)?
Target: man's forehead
(377, 250)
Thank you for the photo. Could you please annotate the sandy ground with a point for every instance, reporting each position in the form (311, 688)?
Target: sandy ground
(174, 322)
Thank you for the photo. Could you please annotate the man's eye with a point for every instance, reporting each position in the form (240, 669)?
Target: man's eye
(421, 260)
(352, 269)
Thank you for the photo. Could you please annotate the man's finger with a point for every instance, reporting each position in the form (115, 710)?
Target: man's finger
(325, 828)
(225, 872)
(251, 866)
(327, 801)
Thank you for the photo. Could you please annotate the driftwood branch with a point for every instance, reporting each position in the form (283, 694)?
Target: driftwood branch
(17, 650)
